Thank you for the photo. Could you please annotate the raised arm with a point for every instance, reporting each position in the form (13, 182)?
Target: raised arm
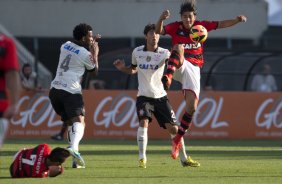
(120, 65)
(232, 22)
(94, 49)
(160, 24)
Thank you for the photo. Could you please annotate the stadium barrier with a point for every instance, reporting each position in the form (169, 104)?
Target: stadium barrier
(112, 115)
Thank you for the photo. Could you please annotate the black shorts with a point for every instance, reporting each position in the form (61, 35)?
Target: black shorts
(160, 107)
(66, 104)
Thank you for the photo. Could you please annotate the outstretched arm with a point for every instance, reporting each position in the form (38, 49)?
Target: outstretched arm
(120, 65)
(232, 22)
(160, 24)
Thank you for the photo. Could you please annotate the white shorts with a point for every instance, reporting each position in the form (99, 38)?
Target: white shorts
(189, 76)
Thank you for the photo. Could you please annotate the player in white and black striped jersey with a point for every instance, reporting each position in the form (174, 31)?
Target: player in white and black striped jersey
(66, 93)
(148, 61)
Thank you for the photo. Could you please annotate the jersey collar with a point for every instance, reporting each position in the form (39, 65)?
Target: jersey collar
(145, 49)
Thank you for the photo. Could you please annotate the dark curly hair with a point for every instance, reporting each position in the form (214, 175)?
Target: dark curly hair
(81, 30)
(188, 6)
(148, 28)
(59, 155)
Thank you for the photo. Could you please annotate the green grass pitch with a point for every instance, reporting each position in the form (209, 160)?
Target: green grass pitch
(116, 162)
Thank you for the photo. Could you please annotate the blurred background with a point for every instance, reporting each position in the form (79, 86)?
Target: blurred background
(233, 56)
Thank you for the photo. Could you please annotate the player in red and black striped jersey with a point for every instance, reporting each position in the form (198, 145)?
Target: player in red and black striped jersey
(186, 59)
(9, 82)
(35, 162)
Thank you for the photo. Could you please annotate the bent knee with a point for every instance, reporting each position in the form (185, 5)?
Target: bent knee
(174, 130)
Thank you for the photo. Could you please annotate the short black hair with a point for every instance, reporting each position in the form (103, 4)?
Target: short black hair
(81, 30)
(188, 6)
(59, 155)
(26, 65)
(148, 28)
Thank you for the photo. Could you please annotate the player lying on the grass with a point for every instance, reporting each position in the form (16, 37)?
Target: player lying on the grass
(148, 61)
(38, 162)
(186, 59)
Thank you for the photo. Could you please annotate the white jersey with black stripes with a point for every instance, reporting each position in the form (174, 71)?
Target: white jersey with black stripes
(74, 59)
(150, 67)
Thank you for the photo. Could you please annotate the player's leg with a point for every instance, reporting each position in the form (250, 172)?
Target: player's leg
(75, 134)
(175, 61)
(184, 159)
(189, 76)
(167, 119)
(186, 121)
(142, 141)
(56, 97)
(172, 130)
(68, 106)
(60, 135)
(74, 113)
(144, 111)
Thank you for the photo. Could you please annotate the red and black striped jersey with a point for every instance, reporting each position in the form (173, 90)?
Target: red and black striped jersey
(193, 52)
(8, 61)
(31, 162)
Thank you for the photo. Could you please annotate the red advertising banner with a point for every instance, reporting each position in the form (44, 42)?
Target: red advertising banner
(112, 115)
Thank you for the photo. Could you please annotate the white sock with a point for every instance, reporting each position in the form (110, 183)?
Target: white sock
(142, 140)
(182, 151)
(75, 134)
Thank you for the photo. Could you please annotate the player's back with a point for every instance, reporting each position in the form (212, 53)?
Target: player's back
(73, 61)
(31, 162)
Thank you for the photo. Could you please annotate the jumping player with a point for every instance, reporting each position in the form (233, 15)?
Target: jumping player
(35, 162)
(66, 91)
(148, 61)
(186, 59)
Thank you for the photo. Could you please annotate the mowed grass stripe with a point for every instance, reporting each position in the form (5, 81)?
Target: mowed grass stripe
(115, 161)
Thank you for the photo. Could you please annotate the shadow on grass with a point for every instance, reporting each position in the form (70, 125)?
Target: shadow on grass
(228, 143)
(254, 154)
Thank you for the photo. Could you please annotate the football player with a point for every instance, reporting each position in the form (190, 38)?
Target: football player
(66, 91)
(38, 162)
(148, 61)
(9, 82)
(186, 59)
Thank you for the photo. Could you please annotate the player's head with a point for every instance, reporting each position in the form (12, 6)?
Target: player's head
(150, 35)
(266, 69)
(26, 69)
(83, 33)
(188, 12)
(58, 156)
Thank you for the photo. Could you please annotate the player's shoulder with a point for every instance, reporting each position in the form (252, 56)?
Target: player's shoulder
(139, 49)
(203, 22)
(44, 145)
(46, 148)
(7, 40)
(4, 37)
(74, 48)
(174, 24)
(162, 50)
